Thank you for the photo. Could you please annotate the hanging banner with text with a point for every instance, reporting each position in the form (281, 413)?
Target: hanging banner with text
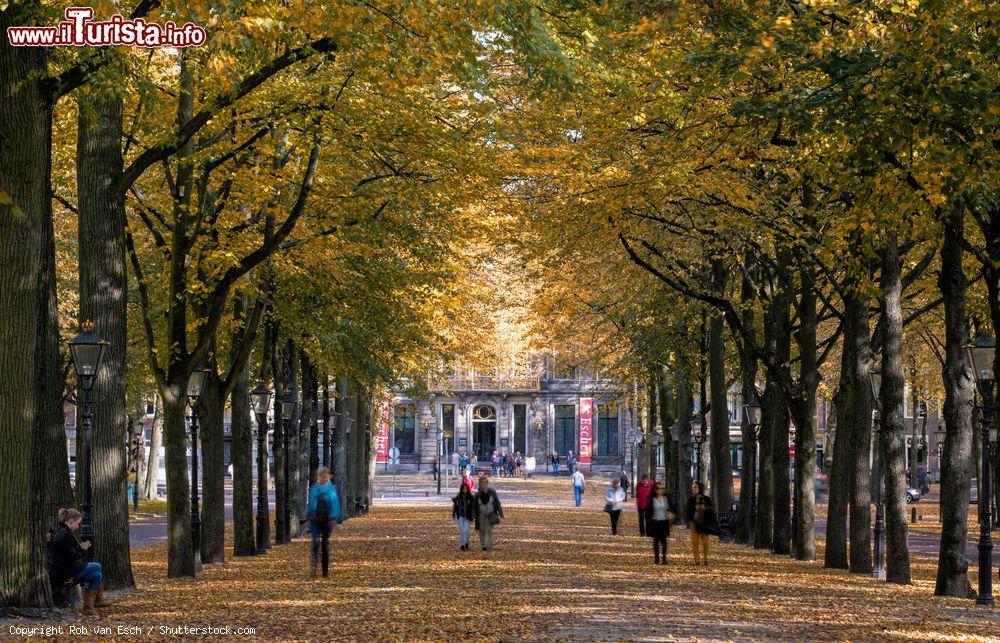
(586, 429)
(382, 440)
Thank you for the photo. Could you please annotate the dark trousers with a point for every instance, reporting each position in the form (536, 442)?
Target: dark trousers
(643, 521)
(659, 530)
(321, 544)
(615, 515)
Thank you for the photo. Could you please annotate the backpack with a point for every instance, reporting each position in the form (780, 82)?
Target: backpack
(322, 513)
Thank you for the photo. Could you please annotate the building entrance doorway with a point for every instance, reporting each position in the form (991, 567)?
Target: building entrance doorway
(484, 432)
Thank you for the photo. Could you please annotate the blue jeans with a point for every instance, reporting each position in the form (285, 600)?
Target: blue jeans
(91, 574)
(463, 531)
(555, 468)
(577, 494)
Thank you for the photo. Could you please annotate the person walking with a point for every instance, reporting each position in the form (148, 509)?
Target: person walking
(659, 516)
(67, 564)
(625, 482)
(578, 486)
(643, 490)
(488, 513)
(324, 510)
(570, 462)
(700, 514)
(463, 510)
(555, 463)
(613, 499)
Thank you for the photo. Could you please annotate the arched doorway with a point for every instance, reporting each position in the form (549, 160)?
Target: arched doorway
(484, 431)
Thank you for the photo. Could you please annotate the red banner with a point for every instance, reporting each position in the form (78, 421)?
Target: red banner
(586, 430)
(382, 440)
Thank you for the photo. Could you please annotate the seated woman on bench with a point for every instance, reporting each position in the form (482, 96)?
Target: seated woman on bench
(66, 562)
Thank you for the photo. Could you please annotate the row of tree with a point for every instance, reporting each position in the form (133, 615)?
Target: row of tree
(781, 197)
(292, 203)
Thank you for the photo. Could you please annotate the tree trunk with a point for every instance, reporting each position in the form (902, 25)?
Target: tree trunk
(340, 474)
(291, 358)
(684, 415)
(212, 436)
(892, 428)
(771, 412)
(34, 471)
(804, 409)
(835, 555)
(180, 550)
(956, 459)
(103, 290)
(780, 461)
(721, 447)
(242, 440)
(748, 379)
(278, 445)
(155, 444)
(860, 511)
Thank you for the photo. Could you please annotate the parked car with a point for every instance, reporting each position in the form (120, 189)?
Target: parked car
(912, 495)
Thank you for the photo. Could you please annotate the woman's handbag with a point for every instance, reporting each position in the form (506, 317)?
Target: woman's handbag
(608, 507)
(494, 518)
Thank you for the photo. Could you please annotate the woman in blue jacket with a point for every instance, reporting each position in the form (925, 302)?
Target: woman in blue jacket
(324, 509)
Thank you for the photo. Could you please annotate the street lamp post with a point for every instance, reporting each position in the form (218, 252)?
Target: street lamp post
(136, 431)
(875, 379)
(982, 351)
(87, 351)
(697, 443)
(752, 410)
(675, 435)
(440, 444)
(426, 425)
(287, 410)
(655, 441)
(261, 397)
(635, 440)
(196, 386)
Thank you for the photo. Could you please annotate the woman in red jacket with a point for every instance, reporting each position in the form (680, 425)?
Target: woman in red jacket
(643, 491)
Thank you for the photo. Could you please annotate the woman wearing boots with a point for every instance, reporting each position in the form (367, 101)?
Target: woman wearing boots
(659, 514)
(463, 509)
(700, 516)
(66, 562)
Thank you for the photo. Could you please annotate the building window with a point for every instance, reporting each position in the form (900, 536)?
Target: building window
(607, 429)
(448, 420)
(404, 428)
(520, 428)
(565, 428)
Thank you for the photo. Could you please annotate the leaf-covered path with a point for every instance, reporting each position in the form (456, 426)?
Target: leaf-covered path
(556, 573)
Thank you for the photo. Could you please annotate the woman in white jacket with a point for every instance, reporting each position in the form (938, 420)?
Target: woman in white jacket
(614, 496)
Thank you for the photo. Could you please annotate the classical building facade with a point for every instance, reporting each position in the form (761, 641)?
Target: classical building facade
(534, 415)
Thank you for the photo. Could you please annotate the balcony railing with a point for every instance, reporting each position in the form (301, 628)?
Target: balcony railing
(486, 383)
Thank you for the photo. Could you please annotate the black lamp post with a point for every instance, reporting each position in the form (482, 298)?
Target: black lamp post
(261, 399)
(196, 386)
(287, 410)
(87, 351)
(675, 435)
(655, 441)
(698, 437)
(752, 410)
(981, 352)
(875, 380)
(440, 445)
(136, 431)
